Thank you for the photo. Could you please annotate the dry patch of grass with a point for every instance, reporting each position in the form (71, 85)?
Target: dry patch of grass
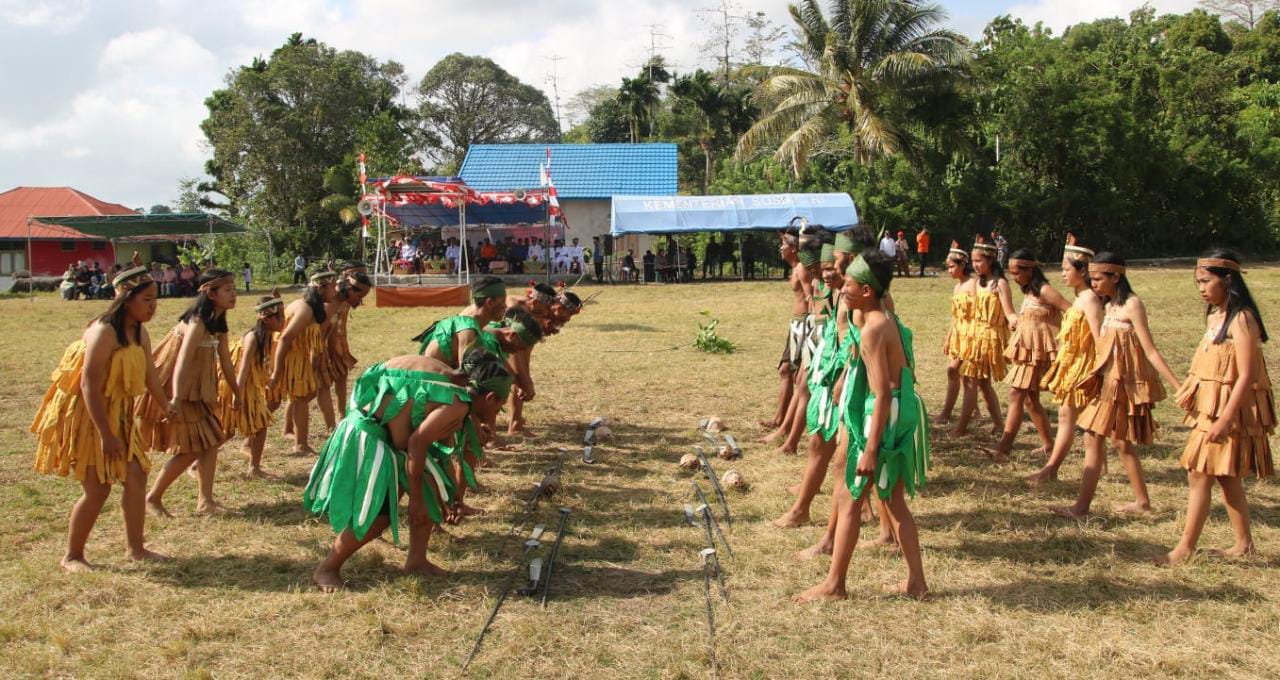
(1018, 591)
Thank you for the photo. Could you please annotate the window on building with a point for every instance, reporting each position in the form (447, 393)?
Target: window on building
(68, 246)
(99, 245)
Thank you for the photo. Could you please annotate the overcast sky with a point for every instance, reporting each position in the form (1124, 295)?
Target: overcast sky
(107, 97)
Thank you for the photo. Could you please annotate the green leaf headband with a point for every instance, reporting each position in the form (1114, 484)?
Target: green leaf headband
(860, 271)
(522, 331)
(808, 257)
(828, 253)
(493, 290)
(844, 243)
(498, 384)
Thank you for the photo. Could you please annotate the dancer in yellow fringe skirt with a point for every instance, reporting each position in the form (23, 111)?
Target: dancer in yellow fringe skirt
(1122, 388)
(984, 344)
(1031, 351)
(251, 355)
(86, 425)
(187, 361)
(961, 270)
(293, 372)
(1229, 403)
(353, 286)
(1076, 340)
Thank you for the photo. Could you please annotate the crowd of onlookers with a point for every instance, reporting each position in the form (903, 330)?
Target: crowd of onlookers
(508, 255)
(89, 281)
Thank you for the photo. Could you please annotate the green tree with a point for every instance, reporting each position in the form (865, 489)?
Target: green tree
(469, 100)
(280, 124)
(877, 63)
(638, 96)
(725, 112)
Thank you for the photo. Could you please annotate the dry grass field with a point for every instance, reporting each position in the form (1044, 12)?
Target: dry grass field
(1018, 592)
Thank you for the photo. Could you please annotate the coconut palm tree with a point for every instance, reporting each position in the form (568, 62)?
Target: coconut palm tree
(726, 112)
(638, 97)
(871, 69)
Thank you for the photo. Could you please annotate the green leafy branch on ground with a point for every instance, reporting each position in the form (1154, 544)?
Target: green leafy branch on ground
(709, 341)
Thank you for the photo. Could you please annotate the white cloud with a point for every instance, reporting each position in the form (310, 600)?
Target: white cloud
(58, 15)
(1058, 14)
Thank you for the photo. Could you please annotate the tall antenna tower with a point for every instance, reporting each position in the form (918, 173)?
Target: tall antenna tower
(726, 13)
(554, 79)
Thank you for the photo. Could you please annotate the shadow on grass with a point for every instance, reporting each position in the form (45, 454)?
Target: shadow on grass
(1056, 548)
(620, 328)
(284, 512)
(1053, 595)
(255, 573)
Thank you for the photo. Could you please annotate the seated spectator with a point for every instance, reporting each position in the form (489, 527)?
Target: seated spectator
(629, 272)
(536, 251)
(68, 285)
(187, 281)
(488, 253)
(84, 281)
(519, 253)
(535, 265)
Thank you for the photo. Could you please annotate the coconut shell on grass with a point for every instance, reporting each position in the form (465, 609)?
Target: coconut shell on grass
(690, 461)
(732, 479)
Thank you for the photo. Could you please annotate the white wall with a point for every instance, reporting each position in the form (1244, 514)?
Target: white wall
(588, 218)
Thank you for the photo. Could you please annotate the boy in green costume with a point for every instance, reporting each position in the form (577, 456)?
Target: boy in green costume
(887, 430)
(403, 411)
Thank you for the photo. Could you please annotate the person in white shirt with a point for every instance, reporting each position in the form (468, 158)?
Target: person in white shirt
(536, 252)
(561, 254)
(575, 255)
(451, 253)
(888, 246)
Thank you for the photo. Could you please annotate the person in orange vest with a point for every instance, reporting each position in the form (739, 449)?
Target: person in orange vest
(922, 247)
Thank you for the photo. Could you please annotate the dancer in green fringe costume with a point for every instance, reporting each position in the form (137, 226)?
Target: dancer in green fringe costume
(818, 306)
(449, 338)
(402, 415)
(887, 430)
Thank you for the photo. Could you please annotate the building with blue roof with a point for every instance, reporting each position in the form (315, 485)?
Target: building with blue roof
(587, 176)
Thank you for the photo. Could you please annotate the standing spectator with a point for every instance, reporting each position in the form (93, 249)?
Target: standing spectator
(247, 275)
(902, 248)
(922, 247)
(452, 253)
(888, 246)
(648, 261)
(748, 258)
(629, 273)
(709, 256)
(299, 269)
(170, 281)
(1002, 247)
(157, 275)
(597, 258)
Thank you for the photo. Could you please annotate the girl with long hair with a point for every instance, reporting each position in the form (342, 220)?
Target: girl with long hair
(1076, 342)
(187, 361)
(86, 425)
(293, 373)
(1123, 387)
(984, 344)
(961, 271)
(251, 355)
(1031, 351)
(1229, 403)
(355, 284)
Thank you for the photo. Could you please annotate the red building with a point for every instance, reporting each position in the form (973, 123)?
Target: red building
(53, 248)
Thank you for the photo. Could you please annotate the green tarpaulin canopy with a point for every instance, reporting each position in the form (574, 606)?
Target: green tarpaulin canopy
(164, 224)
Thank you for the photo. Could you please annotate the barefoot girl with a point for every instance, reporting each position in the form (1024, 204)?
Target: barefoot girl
(1033, 348)
(960, 270)
(293, 375)
(86, 424)
(1229, 402)
(389, 443)
(353, 286)
(251, 355)
(187, 362)
(988, 335)
(1123, 387)
(888, 432)
(1076, 341)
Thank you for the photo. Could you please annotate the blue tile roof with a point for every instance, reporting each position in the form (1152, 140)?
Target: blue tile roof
(578, 170)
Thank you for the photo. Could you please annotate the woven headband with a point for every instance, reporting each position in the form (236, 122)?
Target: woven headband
(1029, 264)
(1078, 250)
(266, 306)
(129, 279)
(541, 297)
(860, 271)
(210, 285)
(322, 276)
(984, 247)
(1095, 267)
(1218, 262)
(568, 303)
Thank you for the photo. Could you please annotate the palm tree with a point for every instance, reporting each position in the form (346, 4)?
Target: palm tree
(723, 109)
(874, 65)
(638, 96)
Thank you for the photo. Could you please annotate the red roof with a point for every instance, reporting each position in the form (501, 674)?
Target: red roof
(20, 203)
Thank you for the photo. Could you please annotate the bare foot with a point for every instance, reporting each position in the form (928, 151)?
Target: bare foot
(767, 424)
(822, 591)
(1134, 508)
(75, 565)
(791, 519)
(919, 592)
(145, 555)
(155, 508)
(1069, 512)
(1042, 451)
(770, 437)
(1043, 476)
(210, 508)
(881, 541)
(258, 473)
(784, 451)
(328, 581)
(424, 569)
(1235, 552)
(819, 548)
(942, 419)
(958, 432)
(465, 510)
(1173, 558)
(995, 454)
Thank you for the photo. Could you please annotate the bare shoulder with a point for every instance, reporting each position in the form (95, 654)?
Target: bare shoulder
(1246, 323)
